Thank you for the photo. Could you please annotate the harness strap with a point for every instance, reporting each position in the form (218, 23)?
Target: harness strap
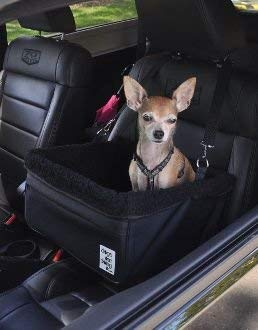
(151, 174)
(208, 142)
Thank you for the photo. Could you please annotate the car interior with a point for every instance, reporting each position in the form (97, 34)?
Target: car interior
(65, 195)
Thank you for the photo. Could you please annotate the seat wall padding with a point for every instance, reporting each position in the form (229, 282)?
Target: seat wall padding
(98, 174)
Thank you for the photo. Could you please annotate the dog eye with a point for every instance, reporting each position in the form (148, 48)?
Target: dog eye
(147, 118)
(171, 121)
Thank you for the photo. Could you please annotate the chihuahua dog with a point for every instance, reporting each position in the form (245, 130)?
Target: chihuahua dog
(157, 163)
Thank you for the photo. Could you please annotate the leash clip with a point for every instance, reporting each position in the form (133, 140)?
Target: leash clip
(107, 127)
(204, 158)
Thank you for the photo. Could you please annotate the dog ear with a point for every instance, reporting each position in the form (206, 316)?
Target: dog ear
(134, 92)
(184, 94)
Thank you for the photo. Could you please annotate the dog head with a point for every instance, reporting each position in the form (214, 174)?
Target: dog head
(157, 116)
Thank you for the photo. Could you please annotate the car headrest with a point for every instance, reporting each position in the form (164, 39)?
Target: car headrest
(58, 20)
(47, 59)
(203, 28)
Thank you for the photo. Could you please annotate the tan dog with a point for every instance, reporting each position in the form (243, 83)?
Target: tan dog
(157, 163)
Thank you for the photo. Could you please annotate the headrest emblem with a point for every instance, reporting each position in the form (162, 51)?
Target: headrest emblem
(31, 56)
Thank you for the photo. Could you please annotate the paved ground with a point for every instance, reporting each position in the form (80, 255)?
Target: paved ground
(237, 309)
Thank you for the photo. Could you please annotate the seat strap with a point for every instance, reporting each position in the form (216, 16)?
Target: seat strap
(224, 70)
(143, 44)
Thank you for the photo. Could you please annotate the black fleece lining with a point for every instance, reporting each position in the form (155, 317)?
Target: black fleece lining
(97, 174)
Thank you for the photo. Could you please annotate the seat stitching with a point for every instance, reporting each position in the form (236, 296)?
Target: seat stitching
(15, 310)
(10, 291)
(40, 306)
(30, 76)
(51, 284)
(57, 120)
(46, 268)
(18, 128)
(81, 299)
(45, 124)
(61, 51)
(24, 101)
(12, 153)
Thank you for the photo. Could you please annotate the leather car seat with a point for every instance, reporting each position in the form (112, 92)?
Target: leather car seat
(52, 298)
(45, 95)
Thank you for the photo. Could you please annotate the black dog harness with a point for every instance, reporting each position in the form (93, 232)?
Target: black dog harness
(150, 174)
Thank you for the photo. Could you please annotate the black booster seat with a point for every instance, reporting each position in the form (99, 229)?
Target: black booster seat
(80, 196)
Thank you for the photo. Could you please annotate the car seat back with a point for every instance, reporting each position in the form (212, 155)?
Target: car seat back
(45, 93)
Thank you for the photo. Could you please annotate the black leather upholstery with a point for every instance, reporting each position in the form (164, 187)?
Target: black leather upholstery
(198, 27)
(58, 20)
(45, 101)
(52, 298)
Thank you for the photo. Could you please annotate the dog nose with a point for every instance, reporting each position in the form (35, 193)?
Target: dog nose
(158, 135)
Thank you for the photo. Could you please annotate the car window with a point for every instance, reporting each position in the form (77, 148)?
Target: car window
(14, 30)
(86, 14)
(99, 12)
(246, 5)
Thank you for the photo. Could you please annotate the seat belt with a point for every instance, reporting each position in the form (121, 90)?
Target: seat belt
(224, 71)
(143, 44)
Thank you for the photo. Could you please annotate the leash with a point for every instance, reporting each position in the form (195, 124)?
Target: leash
(208, 143)
(151, 174)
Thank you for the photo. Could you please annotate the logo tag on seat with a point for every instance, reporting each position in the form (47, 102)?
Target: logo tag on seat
(31, 56)
(107, 259)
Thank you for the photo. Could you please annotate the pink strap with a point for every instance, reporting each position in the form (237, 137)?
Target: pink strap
(108, 111)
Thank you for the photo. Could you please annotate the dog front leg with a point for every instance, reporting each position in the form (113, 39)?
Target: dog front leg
(133, 176)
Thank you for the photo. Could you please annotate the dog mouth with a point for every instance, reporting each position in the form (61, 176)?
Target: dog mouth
(158, 141)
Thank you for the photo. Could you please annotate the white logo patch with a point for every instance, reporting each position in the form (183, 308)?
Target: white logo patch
(107, 259)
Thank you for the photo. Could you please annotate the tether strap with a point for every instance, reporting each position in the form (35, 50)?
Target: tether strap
(143, 43)
(208, 142)
(150, 174)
